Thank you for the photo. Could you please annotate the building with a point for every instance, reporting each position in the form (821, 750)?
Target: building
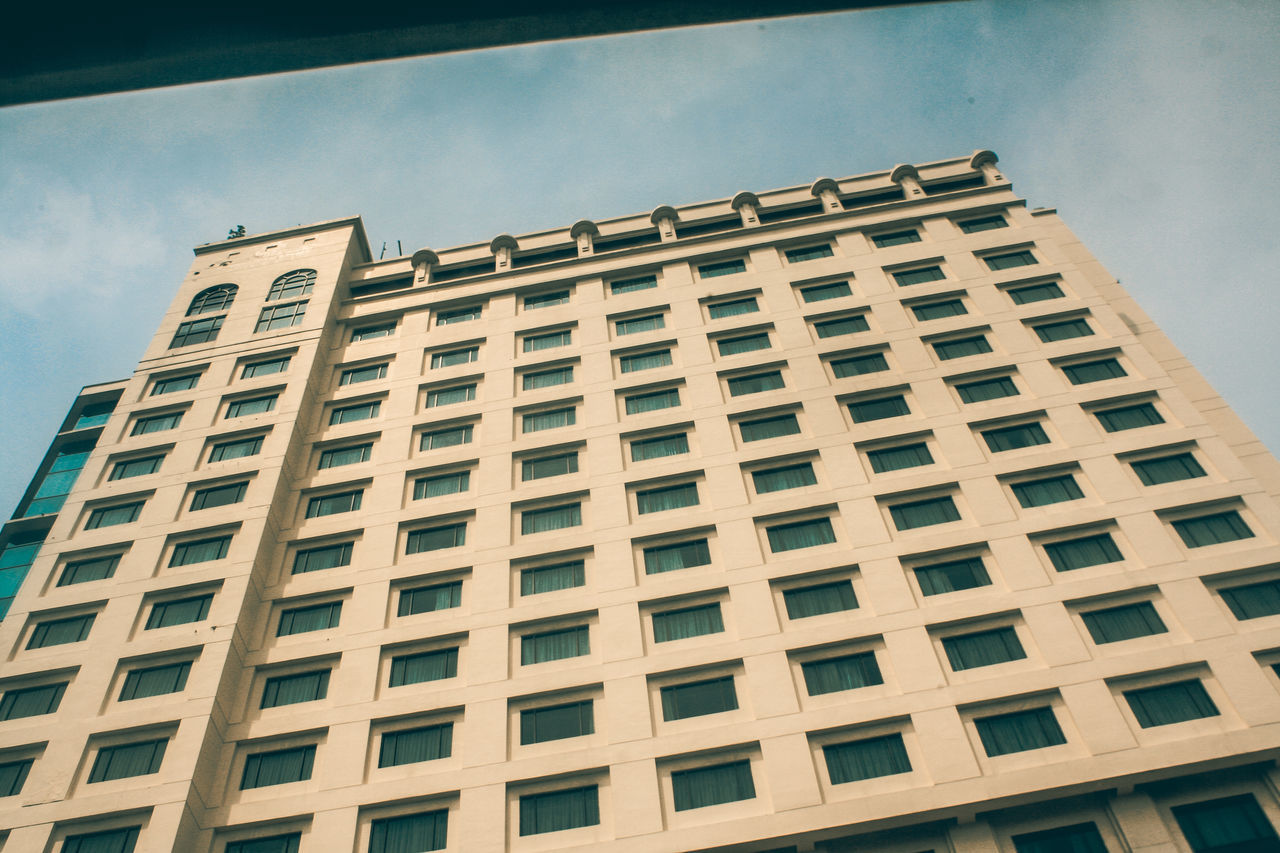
(866, 515)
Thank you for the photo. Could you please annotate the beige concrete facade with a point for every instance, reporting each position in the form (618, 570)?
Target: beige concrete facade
(900, 394)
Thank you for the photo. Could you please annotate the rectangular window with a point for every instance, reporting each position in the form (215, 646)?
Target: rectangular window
(800, 534)
(1010, 260)
(1170, 703)
(1212, 529)
(255, 406)
(199, 551)
(808, 253)
(559, 810)
(1019, 731)
(1167, 469)
(666, 498)
(733, 308)
(217, 496)
(237, 449)
(278, 767)
(630, 285)
(550, 518)
(723, 268)
(546, 300)
(175, 383)
(109, 841)
(556, 722)
(1079, 838)
(805, 601)
(196, 332)
(1253, 600)
(983, 648)
(136, 467)
(363, 374)
(1114, 624)
(987, 389)
(896, 238)
(859, 365)
(1226, 825)
(710, 786)
(1050, 490)
(458, 315)
(687, 622)
(905, 278)
(280, 316)
(939, 310)
(271, 844)
(340, 456)
(682, 555)
(293, 689)
(424, 666)
(323, 505)
(951, 576)
(550, 340)
(879, 409)
(756, 383)
(908, 516)
(1085, 372)
(1064, 331)
(745, 343)
(304, 620)
(1129, 417)
(841, 326)
(898, 458)
(180, 611)
(656, 448)
(961, 347)
(31, 701)
(833, 675)
(449, 396)
(155, 681)
(549, 466)
(84, 571)
(12, 776)
(866, 759)
(554, 419)
(1015, 437)
(443, 484)
(409, 746)
(644, 361)
(467, 355)
(697, 698)
(428, 599)
(449, 437)
(637, 404)
(775, 427)
(554, 645)
(1035, 293)
(358, 412)
(265, 368)
(982, 223)
(324, 557)
(436, 538)
(823, 292)
(540, 579)
(634, 325)
(156, 423)
(784, 477)
(57, 632)
(1073, 554)
(127, 760)
(369, 333)
(547, 378)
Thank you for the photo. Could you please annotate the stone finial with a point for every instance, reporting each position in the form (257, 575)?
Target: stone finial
(423, 260)
(502, 246)
(908, 177)
(985, 161)
(748, 207)
(584, 231)
(828, 192)
(665, 217)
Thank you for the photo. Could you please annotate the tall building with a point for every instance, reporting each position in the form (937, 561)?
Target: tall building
(871, 515)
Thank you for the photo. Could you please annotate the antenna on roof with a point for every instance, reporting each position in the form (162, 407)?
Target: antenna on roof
(384, 250)
(399, 249)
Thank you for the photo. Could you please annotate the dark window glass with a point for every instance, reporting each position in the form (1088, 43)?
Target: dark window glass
(634, 325)
(555, 645)
(800, 534)
(424, 666)
(31, 701)
(652, 402)
(541, 579)
(1227, 825)
(667, 498)
(255, 406)
(156, 423)
(458, 315)
(550, 518)
(334, 504)
(756, 383)
(1079, 838)
(449, 437)
(58, 632)
(340, 456)
(907, 516)
(1064, 330)
(953, 575)
(687, 622)
(939, 310)
(549, 466)
(1050, 490)
(1253, 600)
(834, 675)
(1085, 372)
(324, 557)
(155, 681)
(175, 383)
(630, 285)
(733, 308)
(277, 767)
(745, 343)
(358, 412)
(982, 223)
(449, 396)
(808, 253)
(83, 571)
(110, 841)
(896, 238)
(199, 551)
(710, 786)
(1129, 417)
(136, 467)
(12, 776)
(859, 365)
(281, 316)
(556, 722)
(298, 687)
(680, 701)
(1019, 731)
(785, 477)
(550, 340)
(1167, 469)
(879, 409)
(823, 292)
(841, 326)
(1010, 260)
(1113, 624)
(546, 300)
(219, 496)
(409, 746)
(1035, 293)
(897, 458)
(923, 275)
(547, 378)
(95, 414)
(180, 611)
(216, 298)
(682, 555)
(987, 389)
(291, 284)
(805, 601)
(126, 760)
(1170, 703)
(368, 373)
(961, 347)
(435, 538)
(558, 810)
(554, 419)
(316, 617)
(1015, 437)
(1212, 529)
(426, 599)
(656, 448)
(1086, 551)
(774, 427)
(196, 332)
(440, 485)
(265, 368)
(112, 515)
(236, 449)
(270, 844)
(982, 648)
(723, 268)
(466, 355)
(866, 759)
(368, 333)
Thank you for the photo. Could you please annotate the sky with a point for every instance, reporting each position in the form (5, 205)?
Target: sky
(1153, 127)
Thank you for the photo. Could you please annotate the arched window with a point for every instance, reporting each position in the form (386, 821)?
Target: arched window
(292, 284)
(216, 298)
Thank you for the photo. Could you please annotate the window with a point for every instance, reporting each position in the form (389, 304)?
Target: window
(879, 409)
(547, 378)
(449, 396)
(546, 300)
(428, 599)
(1166, 704)
(155, 681)
(823, 292)
(833, 675)
(458, 315)
(841, 326)
(449, 358)
(666, 498)
(698, 698)
(634, 325)
(369, 333)
(681, 555)
(732, 308)
(1167, 469)
(196, 332)
(1212, 529)
(136, 467)
(303, 620)
(84, 571)
(57, 632)
(199, 551)
(436, 538)
(265, 368)
(630, 285)
(656, 448)
(722, 268)
(982, 648)
(987, 389)
(94, 414)
(156, 423)
(180, 611)
(805, 601)
(324, 557)
(12, 776)
(774, 427)
(859, 365)
(983, 223)
(800, 534)
(785, 477)
(340, 456)
(1071, 554)
(1226, 825)
(1035, 293)
(1064, 330)
(126, 760)
(1015, 437)
(1010, 260)
(254, 406)
(363, 374)
(1019, 731)
(323, 505)
(109, 841)
(292, 284)
(1129, 417)
(1050, 490)
(237, 449)
(447, 437)
(550, 518)
(939, 310)
(687, 622)
(56, 484)
(897, 458)
(424, 666)
(896, 238)
(808, 253)
(905, 278)
(556, 722)
(549, 466)
(1113, 624)
(31, 701)
(1253, 600)
(540, 579)
(961, 347)
(866, 759)
(554, 811)
(175, 383)
(216, 298)
(280, 316)
(1085, 372)
(654, 401)
(217, 496)
(907, 516)
(1079, 838)
(271, 844)
(644, 361)
(951, 576)
(277, 767)
(298, 687)
(442, 484)
(745, 343)
(549, 340)
(554, 419)
(554, 645)
(358, 412)
(710, 786)
(109, 516)
(409, 746)
(755, 383)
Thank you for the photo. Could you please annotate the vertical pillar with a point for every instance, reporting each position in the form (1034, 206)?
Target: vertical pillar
(502, 246)
(748, 207)
(828, 192)
(423, 260)
(584, 231)
(665, 217)
(908, 178)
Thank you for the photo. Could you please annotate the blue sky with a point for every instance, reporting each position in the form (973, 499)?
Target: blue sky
(1152, 127)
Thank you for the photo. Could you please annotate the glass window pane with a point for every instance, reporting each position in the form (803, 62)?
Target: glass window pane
(922, 275)
(1254, 600)
(953, 575)
(834, 675)
(733, 308)
(801, 534)
(1093, 371)
(982, 648)
(1015, 437)
(879, 409)
(667, 498)
(987, 389)
(436, 538)
(774, 427)
(823, 292)
(655, 448)
(1080, 838)
(325, 557)
(1113, 624)
(1129, 417)
(961, 347)
(428, 599)
(555, 645)
(924, 513)
(550, 518)
(709, 786)
(1019, 731)
(698, 698)
(859, 365)
(682, 555)
(808, 253)
(1212, 529)
(756, 383)
(982, 223)
(1226, 825)
(687, 622)
(559, 810)
(1050, 490)
(540, 579)
(1167, 704)
(939, 310)
(424, 666)
(1086, 551)
(1035, 293)
(556, 722)
(409, 746)
(803, 602)
(897, 458)
(866, 759)
(785, 477)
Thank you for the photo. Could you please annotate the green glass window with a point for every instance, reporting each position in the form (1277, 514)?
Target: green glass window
(324, 557)
(908, 516)
(254, 406)
(295, 688)
(733, 308)
(340, 456)
(171, 384)
(547, 378)
(292, 284)
(687, 622)
(277, 767)
(554, 811)
(24, 702)
(270, 844)
(1170, 703)
(449, 358)
(549, 340)
(1015, 437)
(550, 518)
(315, 617)
(458, 315)
(127, 760)
(961, 347)
(1064, 330)
(196, 331)
(216, 298)
(369, 333)
(666, 498)
(870, 758)
(756, 383)
(982, 223)
(448, 437)
(698, 698)
(897, 458)
(1035, 293)
(859, 365)
(800, 534)
(94, 569)
(1129, 417)
(823, 292)
(199, 551)
(540, 579)
(987, 389)
(722, 268)
(549, 466)
(217, 496)
(982, 648)
(538, 421)
(16, 558)
(1114, 624)
(1002, 734)
(905, 278)
(681, 555)
(745, 343)
(546, 300)
(180, 611)
(644, 361)
(452, 483)
(323, 505)
(951, 576)
(784, 477)
(556, 722)
(630, 285)
(136, 467)
(896, 238)
(409, 746)
(1078, 838)
(1253, 600)
(12, 776)
(1212, 529)
(634, 325)
(265, 368)
(436, 538)
(808, 253)
(428, 599)
(710, 786)
(1085, 372)
(555, 645)
(424, 666)
(841, 326)
(849, 672)
(1050, 490)
(237, 449)
(94, 414)
(1167, 469)
(1071, 554)
(110, 841)
(281, 316)
(449, 396)
(656, 448)
(1009, 260)
(939, 310)
(155, 681)
(156, 423)
(651, 402)
(358, 412)
(879, 409)
(58, 632)
(368, 373)
(774, 427)
(818, 599)
(1226, 825)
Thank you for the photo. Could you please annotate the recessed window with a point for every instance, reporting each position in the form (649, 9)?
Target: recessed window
(237, 449)
(833, 675)
(698, 698)
(841, 326)
(679, 555)
(686, 622)
(333, 504)
(550, 518)
(340, 456)
(127, 760)
(1125, 622)
(983, 223)
(547, 340)
(808, 253)
(555, 811)
(631, 285)
(924, 513)
(1035, 293)
(554, 645)
(155, 681)
(430, 598)
(1079, 838)
(265, 368)
(819, 599)
(422, 667)
(1226, 825)
(294, 688)
(1166, 704)
(1009, 260)
(1085, 372)
(458, 315)
(109, 841)
(449, 396)
(547, 378)
(136, 467)
(952, 576)
(1253, 600)
(367, 373)
(896, 238)
(1019, 731)
(666, 498)
(1167, 469)
(281, 316)
(755, 383)
(175, 383)
(549, 466)
(783, 477)
(199, 551)
(409, 746)
(452, 357)
(661, 446)
(539, 421)
(1050, 490)
(304, 620)
(732, 308)
(13, 774)
(1212, 529)
(879, 408)
(939, 310)
(216, 496)
(859, 365)
(823, 292)
(897, 458)
(277, 767)
(292, 284)
(743, 343)
(252, 406)
(1129, 417)
(961, 347)
(1015, 437)
(652, 401)
(644, 361)
(447, 437)
(987, 389)
(635, 325)
(109, 516)
(180, 611)
(711, 786)
(156, 423)
(556, 722)
(800, 534)
(715, 270)
(1064, 330)
(369, 333)
(31, 701)
(540, 579)
(216, 298)
(58, 632)
(196, 332)
(923, 275)
(546, 300)
(455, 482)
(869, 758)
(982, 648)
(1071, 554)
(436, 538)
(93, 569)
(324, 557)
